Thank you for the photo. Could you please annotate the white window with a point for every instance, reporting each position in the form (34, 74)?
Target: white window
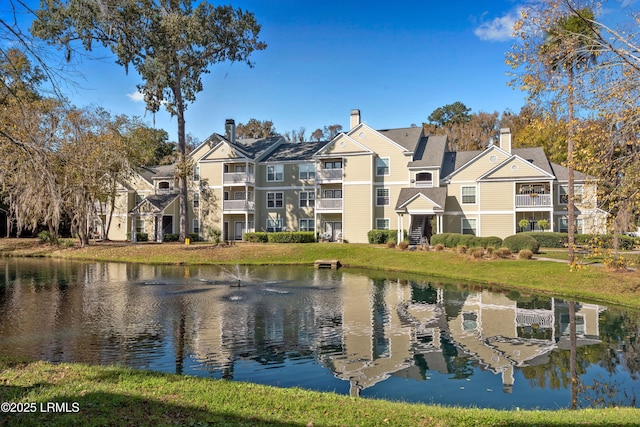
(382, 223)
(563, 194)
(275, 173)
(307, 225)
(469, 226)
(563, 225)
(382, 197)
(468, 195)
(334, 164)
(382, 166)
(196, 200)
(196, 226)
(307, 199)
(274, 225)
(275, 199)
(307, 171)
(139, 225)
(196, 173)
(333, 194)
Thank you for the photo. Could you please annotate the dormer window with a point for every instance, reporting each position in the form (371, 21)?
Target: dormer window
(164, 185)
(424, 179)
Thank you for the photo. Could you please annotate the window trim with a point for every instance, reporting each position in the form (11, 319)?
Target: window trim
(275, 199)
(196, 201)
(310, 174)
(307, 221)
(388, 223)
(310, 201)
(577, 195)
(278, 224)
(195, 225)
(387, 197)
(275, 168)
(462, 195)
(474, 229)
(388, 166)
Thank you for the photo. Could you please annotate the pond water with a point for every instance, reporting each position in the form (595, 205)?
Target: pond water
(363, 333)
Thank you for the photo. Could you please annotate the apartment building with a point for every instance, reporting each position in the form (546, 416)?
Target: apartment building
(364, 179)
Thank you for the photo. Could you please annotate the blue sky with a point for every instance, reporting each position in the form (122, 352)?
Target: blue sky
(396, 62)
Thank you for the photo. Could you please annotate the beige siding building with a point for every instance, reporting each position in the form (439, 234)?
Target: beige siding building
(363, 179)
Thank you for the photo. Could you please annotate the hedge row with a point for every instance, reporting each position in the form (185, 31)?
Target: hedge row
(281, 237)
(384, 236)
(453, 240)
(605, 241)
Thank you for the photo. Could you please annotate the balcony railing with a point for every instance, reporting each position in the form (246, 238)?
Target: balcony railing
(328, 204)
(239, 178)
(424, 183)
(533, 200)
(333, 175)
(239, 205)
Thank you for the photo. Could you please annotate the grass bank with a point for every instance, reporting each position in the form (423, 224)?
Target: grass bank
(105, 396)
(592, 283)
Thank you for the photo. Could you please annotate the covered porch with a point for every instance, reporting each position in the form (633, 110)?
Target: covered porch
(538, 221)
(154, 216)
(425, 209)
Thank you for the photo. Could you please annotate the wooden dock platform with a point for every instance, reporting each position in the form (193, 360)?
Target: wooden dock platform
(333, 264)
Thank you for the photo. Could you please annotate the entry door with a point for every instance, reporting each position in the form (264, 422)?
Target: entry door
(333, 230)
(167, 224)
(239, 230)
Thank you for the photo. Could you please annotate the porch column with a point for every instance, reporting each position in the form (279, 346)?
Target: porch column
(133, 228)
(159, 230)
(400, 228)
(246, 223)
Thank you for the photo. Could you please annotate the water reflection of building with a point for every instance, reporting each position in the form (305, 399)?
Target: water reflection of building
(501, 334)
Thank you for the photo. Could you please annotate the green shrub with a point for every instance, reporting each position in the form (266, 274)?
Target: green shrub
(256, 237)
(46, 237)
(487, 242)
(521, 241)
(605, 241)
(439, 239)
(383, 236)
(291, 237)
(142, 237)
(215, 235)
(170, 237)
(453, 240)
(549, 240)
(194, 237)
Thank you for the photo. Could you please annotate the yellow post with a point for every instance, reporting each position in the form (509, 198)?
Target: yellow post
(187, 241)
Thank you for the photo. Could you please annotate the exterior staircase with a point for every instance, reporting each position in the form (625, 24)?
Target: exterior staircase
(415, 236)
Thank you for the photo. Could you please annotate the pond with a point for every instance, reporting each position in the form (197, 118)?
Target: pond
(363, 333)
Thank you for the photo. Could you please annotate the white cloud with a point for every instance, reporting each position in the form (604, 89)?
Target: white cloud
(498, 29)
(136, 96)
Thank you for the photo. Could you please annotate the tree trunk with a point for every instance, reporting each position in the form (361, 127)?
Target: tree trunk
(571, 229)
(182, 147)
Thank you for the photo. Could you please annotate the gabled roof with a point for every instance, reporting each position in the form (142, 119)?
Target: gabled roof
(156, 202)
(151, 173)
(533, 170)
(536, 156)
(342, 136)
(255, 148)
(408, 138)
(291, 151)
(430, 152)
(562, 173)
(436, 195)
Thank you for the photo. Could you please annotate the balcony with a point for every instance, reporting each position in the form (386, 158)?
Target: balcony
(329, 175)
(238, 178)
(329, 204)
(238, 205)
(533, 200)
